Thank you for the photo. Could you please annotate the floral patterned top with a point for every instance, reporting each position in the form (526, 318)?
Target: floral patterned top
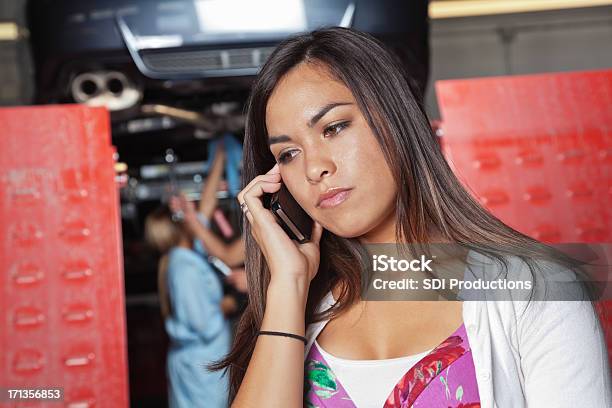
(444, 378)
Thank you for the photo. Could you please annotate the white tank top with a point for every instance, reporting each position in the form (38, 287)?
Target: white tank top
(369, 382)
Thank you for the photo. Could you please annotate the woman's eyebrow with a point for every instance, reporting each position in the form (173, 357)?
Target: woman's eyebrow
(313, 121)
(278, 139)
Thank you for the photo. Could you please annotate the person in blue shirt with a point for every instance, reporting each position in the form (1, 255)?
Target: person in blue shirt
(194, 309)
(197, 221)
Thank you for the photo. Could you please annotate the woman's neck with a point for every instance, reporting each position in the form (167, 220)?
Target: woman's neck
(185, 242)
(384, 233)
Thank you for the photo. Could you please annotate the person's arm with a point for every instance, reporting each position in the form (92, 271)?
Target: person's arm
(208, 196)
(238, 279)
(274, 376)
(284, 311)
(196, 305)
(563, 355)
(232, 254)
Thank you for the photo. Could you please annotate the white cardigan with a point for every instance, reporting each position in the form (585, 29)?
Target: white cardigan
(554, 355)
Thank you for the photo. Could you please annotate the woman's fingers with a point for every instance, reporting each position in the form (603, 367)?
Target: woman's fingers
(175, 204)
(186, 205)
(272, 175)
(252, 198)
(274, 170)
(251, 194)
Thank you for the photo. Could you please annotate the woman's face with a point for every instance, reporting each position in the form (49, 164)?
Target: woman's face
(322, 141)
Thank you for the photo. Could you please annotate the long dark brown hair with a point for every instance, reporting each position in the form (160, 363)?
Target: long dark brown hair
(429, 194)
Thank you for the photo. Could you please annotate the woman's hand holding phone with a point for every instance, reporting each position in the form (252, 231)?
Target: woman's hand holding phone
(287, 259)
(292, 267)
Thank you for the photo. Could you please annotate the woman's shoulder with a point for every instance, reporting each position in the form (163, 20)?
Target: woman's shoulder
(186, 261)
(179, 253)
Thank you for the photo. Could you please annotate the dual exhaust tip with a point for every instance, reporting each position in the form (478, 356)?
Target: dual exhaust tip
(111, 89)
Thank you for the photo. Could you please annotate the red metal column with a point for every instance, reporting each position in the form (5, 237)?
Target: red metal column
(62, 292)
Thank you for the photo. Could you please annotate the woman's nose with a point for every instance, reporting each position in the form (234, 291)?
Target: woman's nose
(319, 167)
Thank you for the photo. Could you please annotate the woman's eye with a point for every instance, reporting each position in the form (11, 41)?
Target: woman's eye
(285, 157)
(332, 130)
(335, 129)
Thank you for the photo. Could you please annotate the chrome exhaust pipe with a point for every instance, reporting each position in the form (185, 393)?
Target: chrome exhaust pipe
(111, 89)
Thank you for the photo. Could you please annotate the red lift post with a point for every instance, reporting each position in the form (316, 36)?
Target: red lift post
(61, 291)
(536, 150)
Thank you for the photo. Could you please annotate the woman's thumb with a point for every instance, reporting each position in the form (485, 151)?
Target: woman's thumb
(317, 231)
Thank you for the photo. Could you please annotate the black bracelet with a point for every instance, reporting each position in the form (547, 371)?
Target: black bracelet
(275, 333)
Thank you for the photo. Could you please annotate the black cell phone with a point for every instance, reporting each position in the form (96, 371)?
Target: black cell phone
(290, 216)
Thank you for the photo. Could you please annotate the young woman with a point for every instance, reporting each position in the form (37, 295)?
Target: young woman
(331, 114)
(194, 310)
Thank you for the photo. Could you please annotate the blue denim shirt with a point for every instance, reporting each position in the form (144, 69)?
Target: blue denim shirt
(198, 331)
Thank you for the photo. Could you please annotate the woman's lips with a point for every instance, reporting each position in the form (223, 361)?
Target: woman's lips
(335, 200)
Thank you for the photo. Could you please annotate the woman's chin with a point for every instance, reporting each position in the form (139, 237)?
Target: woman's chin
(345, 231)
